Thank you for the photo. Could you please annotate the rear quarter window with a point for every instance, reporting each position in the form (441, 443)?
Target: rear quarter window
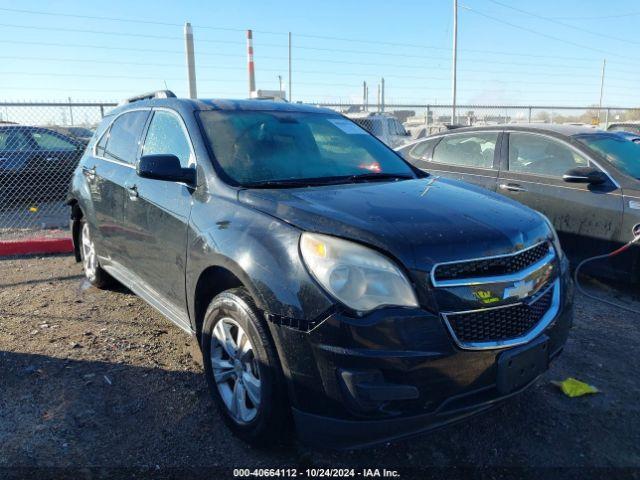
(421, 151)
(123, 139)
(100, 136)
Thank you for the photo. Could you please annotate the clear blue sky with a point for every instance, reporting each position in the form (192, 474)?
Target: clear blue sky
(52, 57)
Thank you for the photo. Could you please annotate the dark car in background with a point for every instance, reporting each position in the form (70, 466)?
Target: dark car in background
(82, 134)
(630, 127)
(586, 181)
(36, 164)
(322, 275)
(633, 137)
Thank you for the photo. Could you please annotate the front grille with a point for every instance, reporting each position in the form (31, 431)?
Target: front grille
(500, 324)
(489, 267)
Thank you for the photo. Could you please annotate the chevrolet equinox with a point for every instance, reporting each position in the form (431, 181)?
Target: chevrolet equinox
(326, 280)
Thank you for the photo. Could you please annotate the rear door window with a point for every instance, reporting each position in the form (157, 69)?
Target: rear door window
(541, 155)
(124, 136)
(421, 150)
(467, 150)
(51, 142)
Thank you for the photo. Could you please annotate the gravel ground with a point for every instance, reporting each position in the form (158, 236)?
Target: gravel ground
(96, 382)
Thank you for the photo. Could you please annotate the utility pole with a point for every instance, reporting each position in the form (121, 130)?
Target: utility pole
(378, 98)
(191, 62)
(367, 98)
(382, 94)
(252, 73)
(70, 111)
(280, 83)
(290, 99)
(454, 63)
(604, 66)
(364, 96)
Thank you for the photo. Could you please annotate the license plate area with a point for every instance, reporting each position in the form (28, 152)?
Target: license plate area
(519, 366)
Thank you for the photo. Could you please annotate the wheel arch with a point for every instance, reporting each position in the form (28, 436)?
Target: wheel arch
(213, 280)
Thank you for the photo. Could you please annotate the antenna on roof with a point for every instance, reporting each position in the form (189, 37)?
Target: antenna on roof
(149, 96)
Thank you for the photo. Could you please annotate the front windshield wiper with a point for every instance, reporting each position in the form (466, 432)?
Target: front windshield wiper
(288, 183)
(308, 182)
(365, 177)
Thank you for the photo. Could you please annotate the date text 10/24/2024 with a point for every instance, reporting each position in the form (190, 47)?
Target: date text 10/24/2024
(316, 473)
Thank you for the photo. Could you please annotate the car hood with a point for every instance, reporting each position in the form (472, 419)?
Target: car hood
(420, 222)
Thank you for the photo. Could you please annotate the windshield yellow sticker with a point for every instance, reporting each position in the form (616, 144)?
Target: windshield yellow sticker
(486, 296)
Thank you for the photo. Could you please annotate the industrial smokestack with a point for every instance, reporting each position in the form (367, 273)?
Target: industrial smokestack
(252, 74)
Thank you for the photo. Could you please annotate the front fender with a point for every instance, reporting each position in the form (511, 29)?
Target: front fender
(258, 249)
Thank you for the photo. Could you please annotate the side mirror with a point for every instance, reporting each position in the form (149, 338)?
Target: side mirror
(589, 175)
(165, 167)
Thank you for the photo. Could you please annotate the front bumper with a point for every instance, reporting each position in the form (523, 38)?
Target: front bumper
(337, 433)
(419, 379)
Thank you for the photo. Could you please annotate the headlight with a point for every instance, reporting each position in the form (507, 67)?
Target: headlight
(554, 235)
(357, 276)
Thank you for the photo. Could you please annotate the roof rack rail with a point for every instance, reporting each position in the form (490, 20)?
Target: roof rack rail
(149, 96)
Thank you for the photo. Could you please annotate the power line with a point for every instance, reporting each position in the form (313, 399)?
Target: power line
(632, 78)
(536, 32)
(110, 47)
(119, 34)
(303, 59)
(94, 90)
(235, 29)
(205, 80)
(115, 19)
(315, 60)
(303, 47)
(520, 86)
(240, 43)
(600, 17)
(564, 24)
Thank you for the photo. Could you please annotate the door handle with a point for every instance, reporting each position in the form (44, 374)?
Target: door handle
(132, 190)
(512, 187)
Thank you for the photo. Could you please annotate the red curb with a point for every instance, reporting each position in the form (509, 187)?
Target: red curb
(33, 246)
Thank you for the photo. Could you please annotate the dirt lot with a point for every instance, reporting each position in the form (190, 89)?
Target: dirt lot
(97, 379)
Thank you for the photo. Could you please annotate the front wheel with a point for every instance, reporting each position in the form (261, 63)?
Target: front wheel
(242, 368)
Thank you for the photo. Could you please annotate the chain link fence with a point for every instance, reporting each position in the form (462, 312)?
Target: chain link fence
(40, 146)
(423, 120)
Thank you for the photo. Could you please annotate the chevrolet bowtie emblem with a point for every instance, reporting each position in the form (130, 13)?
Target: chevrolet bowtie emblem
(521, 289)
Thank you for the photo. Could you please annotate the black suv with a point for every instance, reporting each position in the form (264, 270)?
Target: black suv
(324, 277)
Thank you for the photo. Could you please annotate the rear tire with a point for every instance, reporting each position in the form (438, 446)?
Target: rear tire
(93, 272)
(243, 370)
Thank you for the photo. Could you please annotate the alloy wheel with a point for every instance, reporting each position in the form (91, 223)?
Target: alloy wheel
(235, 369)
